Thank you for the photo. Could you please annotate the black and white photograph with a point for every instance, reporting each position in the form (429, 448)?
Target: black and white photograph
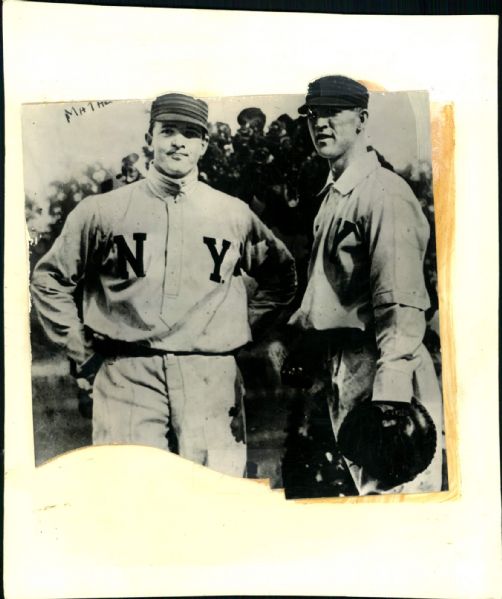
(250, 302)
(248, 282)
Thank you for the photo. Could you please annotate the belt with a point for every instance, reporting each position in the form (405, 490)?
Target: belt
(342, 338)
(351, 338)
(115, 348)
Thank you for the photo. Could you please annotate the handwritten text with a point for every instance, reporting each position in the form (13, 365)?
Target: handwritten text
(76, 111)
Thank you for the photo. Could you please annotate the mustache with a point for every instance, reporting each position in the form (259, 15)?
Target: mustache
(321, 136)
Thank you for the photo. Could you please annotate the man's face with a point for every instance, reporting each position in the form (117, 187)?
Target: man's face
(224, 133)
(334, 131)
(276, 129)
(176, 147)
(253, 125)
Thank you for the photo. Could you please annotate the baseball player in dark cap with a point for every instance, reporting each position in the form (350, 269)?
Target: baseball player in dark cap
(165, 306)
(366, 296)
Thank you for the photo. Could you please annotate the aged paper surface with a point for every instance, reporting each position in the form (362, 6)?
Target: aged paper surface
(125, 521)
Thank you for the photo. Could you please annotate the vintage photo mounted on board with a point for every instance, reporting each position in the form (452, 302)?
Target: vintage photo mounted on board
(249, 282)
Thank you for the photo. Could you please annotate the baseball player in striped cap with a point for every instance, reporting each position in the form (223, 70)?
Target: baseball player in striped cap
(165, 306)
(366, 297)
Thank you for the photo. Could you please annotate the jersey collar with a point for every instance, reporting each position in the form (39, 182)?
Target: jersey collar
(162, 186)
(353, 174)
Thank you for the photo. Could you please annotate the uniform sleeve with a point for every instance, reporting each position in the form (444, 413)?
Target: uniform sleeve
(399, 333)
(269, 262)
(399, 234)
(55, 278)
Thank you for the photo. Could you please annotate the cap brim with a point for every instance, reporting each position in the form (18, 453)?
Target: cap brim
(328, 101)
(180, 118)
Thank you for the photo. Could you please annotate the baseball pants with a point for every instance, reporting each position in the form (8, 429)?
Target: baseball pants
(352, 375)
(195, 398)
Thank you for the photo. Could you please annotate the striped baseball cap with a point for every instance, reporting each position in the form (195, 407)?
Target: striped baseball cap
(181, 108)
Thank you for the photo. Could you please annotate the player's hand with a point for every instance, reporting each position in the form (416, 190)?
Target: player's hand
(84, 397)
(237, 423)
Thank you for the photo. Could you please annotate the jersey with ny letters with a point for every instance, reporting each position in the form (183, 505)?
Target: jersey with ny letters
(162, 267)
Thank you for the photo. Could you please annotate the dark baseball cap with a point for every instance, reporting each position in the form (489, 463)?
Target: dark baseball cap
(180, 108)
(337, 91)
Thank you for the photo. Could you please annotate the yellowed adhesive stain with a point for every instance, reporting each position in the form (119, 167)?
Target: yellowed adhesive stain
(372, 86)
(443, 154)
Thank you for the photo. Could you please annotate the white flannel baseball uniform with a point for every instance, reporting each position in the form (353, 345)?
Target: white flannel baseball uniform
(366, 273)
(161, 265)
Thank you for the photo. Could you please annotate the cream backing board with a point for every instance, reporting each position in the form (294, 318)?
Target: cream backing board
(135, 521)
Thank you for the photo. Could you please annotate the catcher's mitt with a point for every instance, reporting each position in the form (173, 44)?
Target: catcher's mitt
(392, 441)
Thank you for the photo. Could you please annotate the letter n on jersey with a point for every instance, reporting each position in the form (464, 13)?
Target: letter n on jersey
(125, 255)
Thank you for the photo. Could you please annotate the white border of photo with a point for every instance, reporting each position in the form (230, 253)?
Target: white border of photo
(136, 521)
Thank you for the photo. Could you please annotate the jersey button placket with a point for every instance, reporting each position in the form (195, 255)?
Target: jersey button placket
(173, 253)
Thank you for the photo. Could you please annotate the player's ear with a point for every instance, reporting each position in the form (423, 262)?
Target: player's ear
(363, 117)
(204, 143)
(148, 139)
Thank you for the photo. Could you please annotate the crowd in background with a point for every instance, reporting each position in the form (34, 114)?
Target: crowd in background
(273, 168)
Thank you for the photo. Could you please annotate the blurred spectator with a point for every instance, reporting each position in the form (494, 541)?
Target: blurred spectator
(38, 218)
(249, 135)
(288, 122)
(221, 135)
(129, 172)
(276, 131)
(251, 118)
